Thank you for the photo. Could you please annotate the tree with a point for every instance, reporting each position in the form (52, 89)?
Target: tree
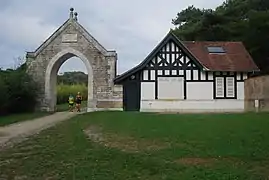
(257, 38)
(21, 91)
(234, 20)
(18, 91)
(73, 78)
(189, 15)
(4, 94)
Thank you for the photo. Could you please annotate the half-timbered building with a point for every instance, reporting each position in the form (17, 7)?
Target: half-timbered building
(188, 76)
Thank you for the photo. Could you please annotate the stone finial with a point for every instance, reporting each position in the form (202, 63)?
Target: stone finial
(76, 16)
(71, 13)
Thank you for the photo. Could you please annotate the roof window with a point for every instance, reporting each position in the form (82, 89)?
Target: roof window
(215, 49)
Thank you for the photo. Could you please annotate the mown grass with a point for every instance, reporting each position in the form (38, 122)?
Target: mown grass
(132, 146)
(65, 106)
(14, 118)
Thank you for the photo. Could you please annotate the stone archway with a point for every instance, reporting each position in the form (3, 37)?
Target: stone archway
(69, 40)
(51, 76)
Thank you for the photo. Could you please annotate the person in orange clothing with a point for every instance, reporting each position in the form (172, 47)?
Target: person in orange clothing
(78, 101)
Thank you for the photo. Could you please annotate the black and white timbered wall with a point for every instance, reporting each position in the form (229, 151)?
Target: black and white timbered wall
(171, 61)
(171, 78)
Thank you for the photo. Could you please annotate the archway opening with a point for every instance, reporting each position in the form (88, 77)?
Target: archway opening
(67, 74)
(72, 77)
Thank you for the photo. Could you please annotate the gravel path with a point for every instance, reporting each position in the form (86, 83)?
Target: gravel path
(18, 132)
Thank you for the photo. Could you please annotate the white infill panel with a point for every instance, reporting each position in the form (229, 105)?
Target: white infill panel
(203, 75)
(147, 90)
(195, 74)
(199, 91)
(152, 74)
(145, 75)
(170, 88)
(240, 90)
(245, 76)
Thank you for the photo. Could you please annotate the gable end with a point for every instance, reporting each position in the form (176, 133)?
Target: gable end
(48, 40)
(80, 29)
(147, 61)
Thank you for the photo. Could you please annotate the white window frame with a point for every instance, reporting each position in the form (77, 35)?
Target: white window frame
(219, 87)
(230, 87)
(226, 84)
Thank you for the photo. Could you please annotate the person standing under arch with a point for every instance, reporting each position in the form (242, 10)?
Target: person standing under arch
(71, 100)
(78, 101)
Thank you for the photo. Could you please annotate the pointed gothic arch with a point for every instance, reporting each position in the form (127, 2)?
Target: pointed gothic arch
(53, 67)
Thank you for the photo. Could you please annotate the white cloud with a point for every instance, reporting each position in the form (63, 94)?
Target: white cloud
(132, 28)
(26, 31)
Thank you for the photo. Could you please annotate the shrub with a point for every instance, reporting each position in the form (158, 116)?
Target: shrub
(64, 90)
(3, 95)
(19, 91)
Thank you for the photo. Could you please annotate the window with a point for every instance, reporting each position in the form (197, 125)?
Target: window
(230, 87)
(215, 49)
(224, 88)
(220, 87)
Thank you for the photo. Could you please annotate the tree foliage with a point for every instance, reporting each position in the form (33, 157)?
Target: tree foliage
(64, 90)
(4, 94)
(73, 78)
(71, 83)
(234, 20)
(18, 91)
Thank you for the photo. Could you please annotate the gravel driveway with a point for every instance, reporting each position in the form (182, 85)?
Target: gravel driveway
(18, 132)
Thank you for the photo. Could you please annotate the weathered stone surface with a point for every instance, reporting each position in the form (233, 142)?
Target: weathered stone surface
(257, 88)
(109, 104)
(73, 40)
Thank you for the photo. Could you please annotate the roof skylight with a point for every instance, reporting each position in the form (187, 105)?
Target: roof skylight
(215, 49)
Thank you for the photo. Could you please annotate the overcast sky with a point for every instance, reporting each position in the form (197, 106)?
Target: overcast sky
(131, 27)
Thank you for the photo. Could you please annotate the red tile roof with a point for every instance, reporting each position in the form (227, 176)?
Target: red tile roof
(235, 58)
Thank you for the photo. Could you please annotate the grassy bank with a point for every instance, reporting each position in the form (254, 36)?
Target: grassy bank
(14, 118)
(121, 145)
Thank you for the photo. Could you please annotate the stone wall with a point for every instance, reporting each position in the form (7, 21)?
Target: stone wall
(114, 102)
(257, 89)
(117, 92)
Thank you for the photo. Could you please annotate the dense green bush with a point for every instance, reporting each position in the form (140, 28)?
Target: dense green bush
(18, 91)
(3, 94)
(64, 90)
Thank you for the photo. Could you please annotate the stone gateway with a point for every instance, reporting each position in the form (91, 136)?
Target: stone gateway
(70, 40)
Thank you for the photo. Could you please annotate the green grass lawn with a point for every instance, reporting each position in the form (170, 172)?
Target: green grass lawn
(65, 106)
(14, 118)
(146, 146)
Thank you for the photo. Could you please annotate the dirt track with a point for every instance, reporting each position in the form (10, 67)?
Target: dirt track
(18, 132)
